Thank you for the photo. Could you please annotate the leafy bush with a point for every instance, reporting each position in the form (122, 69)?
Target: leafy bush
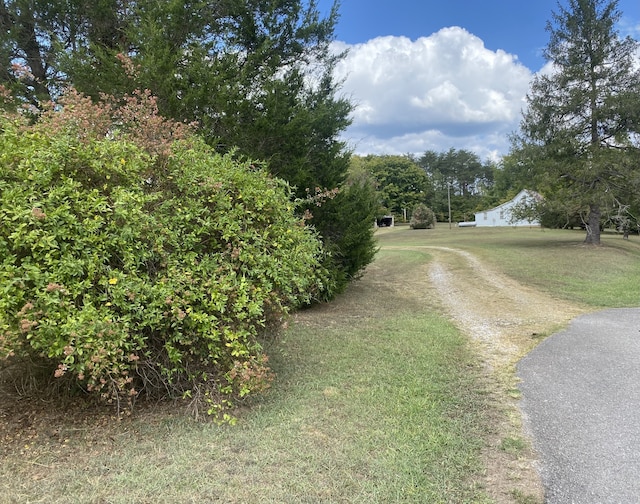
(422, 217)
(129, 270)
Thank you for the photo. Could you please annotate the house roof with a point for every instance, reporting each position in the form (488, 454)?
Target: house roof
(525, 192)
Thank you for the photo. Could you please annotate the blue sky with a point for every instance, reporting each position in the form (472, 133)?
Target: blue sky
(428, 75)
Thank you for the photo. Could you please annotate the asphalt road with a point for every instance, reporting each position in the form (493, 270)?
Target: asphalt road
(581, 405)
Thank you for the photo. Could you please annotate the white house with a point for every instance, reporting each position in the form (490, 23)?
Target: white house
(501, 215)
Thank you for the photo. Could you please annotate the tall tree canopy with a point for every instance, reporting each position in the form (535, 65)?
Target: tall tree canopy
(458, 176)
(582, 125)
(256, 75)
(400, 182)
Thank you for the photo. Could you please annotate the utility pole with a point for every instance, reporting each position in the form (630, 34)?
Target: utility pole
(449, 201)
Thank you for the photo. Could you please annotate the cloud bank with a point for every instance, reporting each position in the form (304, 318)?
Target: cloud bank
(437, 92)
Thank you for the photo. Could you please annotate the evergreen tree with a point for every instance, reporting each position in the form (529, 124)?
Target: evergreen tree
(582, 124)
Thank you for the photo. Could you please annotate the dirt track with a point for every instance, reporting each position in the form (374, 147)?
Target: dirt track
(505, 320)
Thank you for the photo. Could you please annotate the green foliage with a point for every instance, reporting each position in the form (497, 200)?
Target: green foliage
(256, 75)
(401, 183)
(460, 181)
(510, 176)
(582, 120)
(422, 217)
(346, 223)
(455, 179)
(126, 269)
(562, 216)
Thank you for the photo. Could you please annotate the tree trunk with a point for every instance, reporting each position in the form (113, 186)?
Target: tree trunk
(593, 226)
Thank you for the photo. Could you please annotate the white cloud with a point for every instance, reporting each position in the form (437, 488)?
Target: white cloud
(445, 90)
(629, 27)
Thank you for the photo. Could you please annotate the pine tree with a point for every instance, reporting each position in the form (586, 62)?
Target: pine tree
(583, 118)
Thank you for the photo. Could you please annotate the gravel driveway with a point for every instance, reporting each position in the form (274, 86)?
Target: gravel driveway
(581, 405)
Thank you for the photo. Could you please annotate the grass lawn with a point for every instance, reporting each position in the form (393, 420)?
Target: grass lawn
(379, 399)
(554, 261)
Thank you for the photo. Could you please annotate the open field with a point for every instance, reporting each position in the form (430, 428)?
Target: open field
(552, 260)
(391, 394)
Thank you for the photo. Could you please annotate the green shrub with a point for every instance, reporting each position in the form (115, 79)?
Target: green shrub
(346, 223)
(127, 272)
(422, 217)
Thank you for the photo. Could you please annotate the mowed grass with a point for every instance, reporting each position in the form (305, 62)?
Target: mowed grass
(554, 261)
(379, 399)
